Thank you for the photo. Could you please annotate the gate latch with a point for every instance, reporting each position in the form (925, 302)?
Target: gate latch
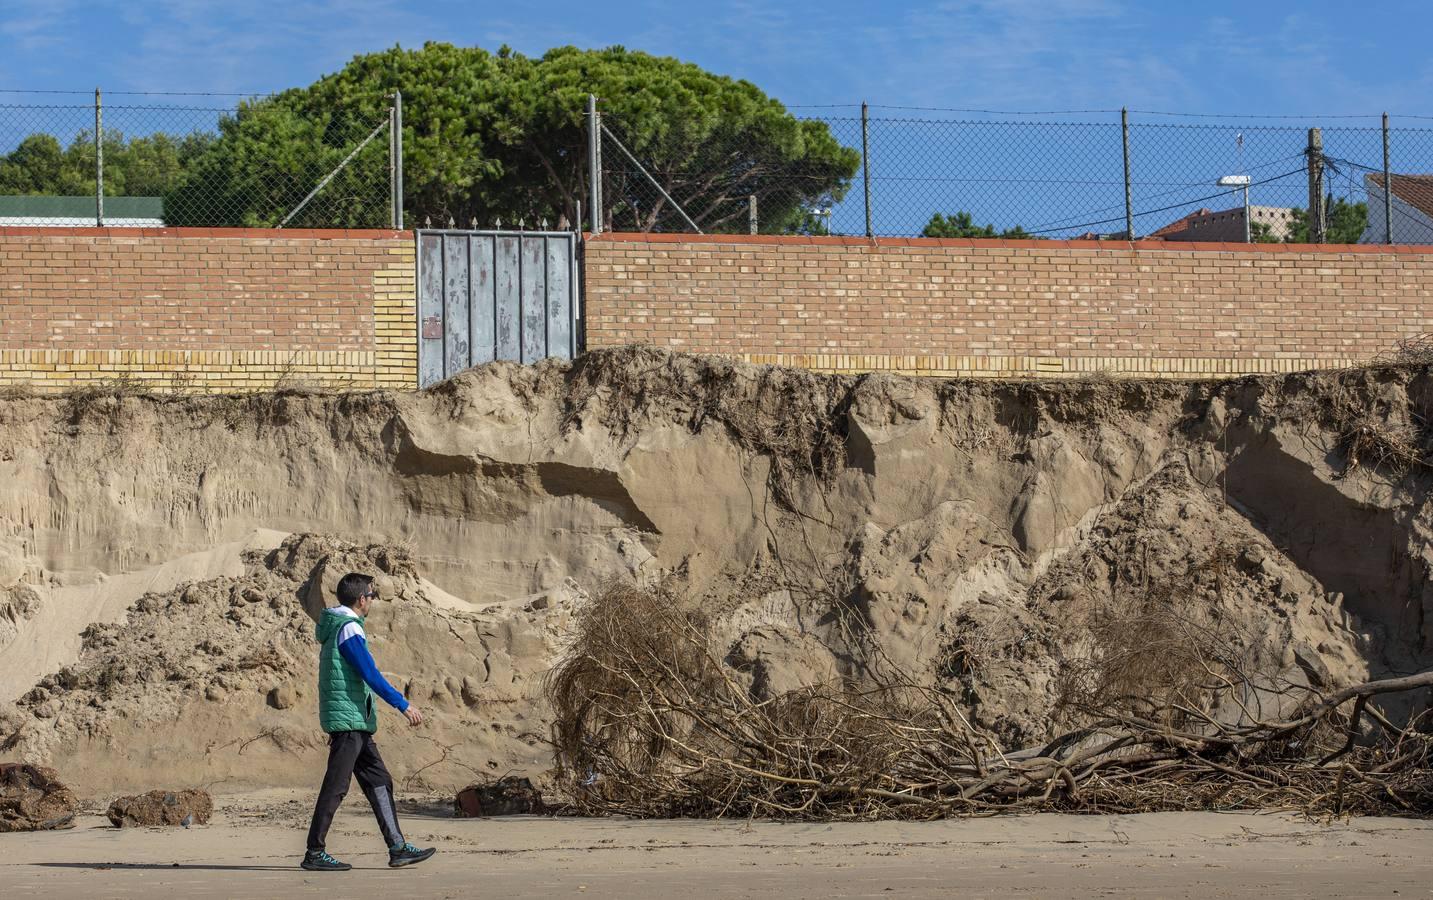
(432, 327)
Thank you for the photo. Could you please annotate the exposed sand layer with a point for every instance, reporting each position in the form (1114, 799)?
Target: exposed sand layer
(50, 639)
(252, 848)
(971, 527)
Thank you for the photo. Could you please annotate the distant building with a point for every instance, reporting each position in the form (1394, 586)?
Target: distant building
(58, 212)
(1412, 209)
(1226, 225)
(1178, 226)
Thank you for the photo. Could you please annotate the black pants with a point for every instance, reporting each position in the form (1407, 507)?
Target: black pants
(354, 754)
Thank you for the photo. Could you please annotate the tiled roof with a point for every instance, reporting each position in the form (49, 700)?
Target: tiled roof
(1178, 225)
(1415, 190)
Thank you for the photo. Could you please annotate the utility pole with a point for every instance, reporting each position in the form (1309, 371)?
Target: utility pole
(1315, 154)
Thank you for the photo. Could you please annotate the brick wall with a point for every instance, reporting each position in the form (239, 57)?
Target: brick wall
(211, 309)
(992, 307)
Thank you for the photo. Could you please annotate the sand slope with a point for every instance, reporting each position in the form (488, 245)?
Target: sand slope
(971, 525)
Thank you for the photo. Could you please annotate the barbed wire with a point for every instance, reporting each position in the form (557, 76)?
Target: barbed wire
(109, 93)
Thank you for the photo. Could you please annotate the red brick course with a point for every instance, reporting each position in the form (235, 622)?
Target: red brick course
(190, 289)
(757, 296)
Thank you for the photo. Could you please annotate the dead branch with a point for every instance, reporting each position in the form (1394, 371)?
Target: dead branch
(650, 722)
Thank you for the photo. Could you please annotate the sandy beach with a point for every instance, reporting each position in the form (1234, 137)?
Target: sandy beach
(252, 847)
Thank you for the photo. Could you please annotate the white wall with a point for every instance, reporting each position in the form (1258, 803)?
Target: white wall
(1410, 224)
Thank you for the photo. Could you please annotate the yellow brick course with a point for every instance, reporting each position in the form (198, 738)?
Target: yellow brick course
(216, 371)
(395, 317)
(1044, 366)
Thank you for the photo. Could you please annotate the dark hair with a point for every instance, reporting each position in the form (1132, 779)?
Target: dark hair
(352, 587)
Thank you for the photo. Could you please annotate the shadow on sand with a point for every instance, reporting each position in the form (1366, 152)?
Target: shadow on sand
(193, 867)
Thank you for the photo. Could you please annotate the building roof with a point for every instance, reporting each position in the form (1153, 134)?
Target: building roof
(46, 207)
(1178, 225)
(1415, 190)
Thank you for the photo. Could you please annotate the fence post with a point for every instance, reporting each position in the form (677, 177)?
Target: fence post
(751, 213)
(395, 156)
(1387, 188)
(1315, 154)
(99, 160)
(1129, 205)
(392, 164)
(866, 161)
(594, 162)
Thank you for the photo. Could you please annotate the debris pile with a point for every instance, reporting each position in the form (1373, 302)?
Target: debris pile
(189, 807)
(32, 798)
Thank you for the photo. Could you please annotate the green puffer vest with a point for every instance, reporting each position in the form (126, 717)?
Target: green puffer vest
(345, 702)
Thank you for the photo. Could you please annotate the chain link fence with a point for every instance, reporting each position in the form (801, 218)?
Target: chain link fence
(200, 160)
(257, 162)
(909, 173)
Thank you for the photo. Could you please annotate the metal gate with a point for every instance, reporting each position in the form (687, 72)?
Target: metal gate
(486, 295)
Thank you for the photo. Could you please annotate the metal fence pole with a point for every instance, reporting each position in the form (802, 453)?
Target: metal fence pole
(392, 164)
(594, 162)
(1129, 204)
(866, 160)
(1315, 153)
(751, 213)
(1387, 188)
(99, 160)
(395, 157)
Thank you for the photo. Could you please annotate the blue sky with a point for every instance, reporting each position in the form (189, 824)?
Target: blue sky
(1314, 59)
(1259, 57)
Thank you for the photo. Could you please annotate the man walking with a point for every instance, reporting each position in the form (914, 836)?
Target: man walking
(347, 680)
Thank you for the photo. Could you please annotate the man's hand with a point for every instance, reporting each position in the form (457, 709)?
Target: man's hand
(413, 715)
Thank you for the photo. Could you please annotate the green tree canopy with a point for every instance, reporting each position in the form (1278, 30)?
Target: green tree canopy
(1346, 222)
(148, 166)
(962, 225)
(491, 136)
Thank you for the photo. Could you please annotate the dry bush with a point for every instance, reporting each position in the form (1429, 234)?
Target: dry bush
(1157, 649)
(1415, 350)
(1370, 435)
(1367, 441)
(102, 397)
(650, 722)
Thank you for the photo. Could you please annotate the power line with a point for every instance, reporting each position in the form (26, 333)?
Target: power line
(1150, 212)
(1051, 225)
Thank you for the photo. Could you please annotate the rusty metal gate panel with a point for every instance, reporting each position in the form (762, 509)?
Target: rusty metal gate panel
(486, 295)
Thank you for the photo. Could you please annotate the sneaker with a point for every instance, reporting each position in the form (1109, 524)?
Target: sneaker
(320, 861)
(406, 854)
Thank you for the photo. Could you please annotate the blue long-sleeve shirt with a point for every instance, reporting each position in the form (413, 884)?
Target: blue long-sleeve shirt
(353, 647)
